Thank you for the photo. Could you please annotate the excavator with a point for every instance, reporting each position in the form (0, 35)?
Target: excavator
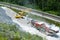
(20, 14)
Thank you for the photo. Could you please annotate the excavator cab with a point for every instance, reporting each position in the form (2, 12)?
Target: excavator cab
(18, 16)
(21, 13)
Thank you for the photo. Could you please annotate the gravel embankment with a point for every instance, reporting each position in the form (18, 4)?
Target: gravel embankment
(4, 18)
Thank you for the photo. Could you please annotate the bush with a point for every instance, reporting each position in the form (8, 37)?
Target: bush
(11, 32)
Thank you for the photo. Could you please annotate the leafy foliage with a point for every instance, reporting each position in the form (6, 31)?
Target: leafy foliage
(11, 32)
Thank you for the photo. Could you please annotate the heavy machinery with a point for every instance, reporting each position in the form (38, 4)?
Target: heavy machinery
(20, 14)
(42, 26)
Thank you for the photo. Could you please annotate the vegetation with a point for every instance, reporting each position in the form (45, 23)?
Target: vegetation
(50, 6)
(11, 32)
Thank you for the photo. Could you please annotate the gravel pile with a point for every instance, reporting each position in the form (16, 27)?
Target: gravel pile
(4, 18)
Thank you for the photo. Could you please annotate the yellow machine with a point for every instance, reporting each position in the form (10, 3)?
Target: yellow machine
(20, 14)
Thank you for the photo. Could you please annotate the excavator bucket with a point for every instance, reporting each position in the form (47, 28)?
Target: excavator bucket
(17, 16)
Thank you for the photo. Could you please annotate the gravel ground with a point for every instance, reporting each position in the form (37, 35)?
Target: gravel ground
(5, 18)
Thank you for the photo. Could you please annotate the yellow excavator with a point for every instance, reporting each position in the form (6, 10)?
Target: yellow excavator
(20, 14)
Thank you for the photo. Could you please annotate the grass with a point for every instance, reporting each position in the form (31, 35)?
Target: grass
(28, 36)
(15, 10)
(7, 31)
(11, 32)
(53, 13)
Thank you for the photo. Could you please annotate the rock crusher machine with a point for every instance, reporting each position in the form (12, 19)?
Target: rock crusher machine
(41, 26)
